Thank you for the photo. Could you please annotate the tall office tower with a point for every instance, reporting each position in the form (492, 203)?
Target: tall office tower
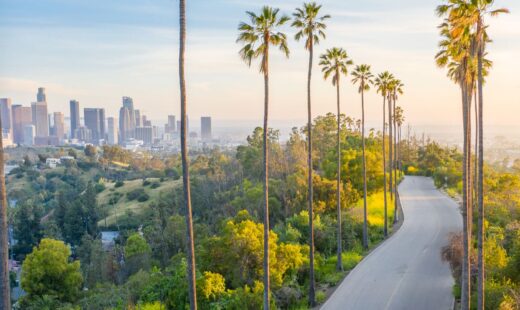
(112, 131)
(125, 131)
(205, 128)
(102, 126)
(83, 133)
(170, 127)
(40, 118)
(145, 134)
(74, 117)
(59, 125)
(40, 96)
(29, 132)
(129, 104)
(5, 109)
(137, 114)
(22, 116)
(94, 118)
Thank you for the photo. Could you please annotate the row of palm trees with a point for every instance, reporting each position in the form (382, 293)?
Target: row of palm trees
(257, 36)
(462, 51)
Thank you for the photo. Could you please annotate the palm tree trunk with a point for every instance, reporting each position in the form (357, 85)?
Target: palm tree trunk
(384, 166)
(339, 265)
(365, 216)
(465, 276)
(5, 289)
(394, 160)
(480, 186)
(185, 166)
(267, 285)
(390, 146)
(312, 292)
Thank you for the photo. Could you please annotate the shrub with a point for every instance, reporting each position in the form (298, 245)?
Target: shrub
(155, 185)
(99, 187)
(146, 182)
(119, 184)
(138, 194)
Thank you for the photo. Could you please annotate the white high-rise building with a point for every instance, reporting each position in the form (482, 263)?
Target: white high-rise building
(29, 132)
(112, 131)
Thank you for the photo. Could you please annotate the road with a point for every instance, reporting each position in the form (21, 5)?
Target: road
(406, 271)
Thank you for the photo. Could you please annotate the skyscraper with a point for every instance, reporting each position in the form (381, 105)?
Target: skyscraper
(40, 96)
(40, 118)
(102, 126)
(205, 130)
(5, 109)
(74, 117)
(22, 116)
(112, 131)
(145, 134)
(59, 125)
(28, 134)
(170, 127)
(137, 114)
(125, 132)
(129, 104)
(94, 121)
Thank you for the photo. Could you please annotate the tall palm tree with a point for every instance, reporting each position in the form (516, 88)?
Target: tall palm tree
(185, 164)
(465, 39)
(455, 55)
(257, 36)
(311, 28)
(382, 82)
(363, 77)
(335, 62)
(399, 120)
(5, 289)
(397, 89)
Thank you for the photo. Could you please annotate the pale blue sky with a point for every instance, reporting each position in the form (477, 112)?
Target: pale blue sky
(97, 51)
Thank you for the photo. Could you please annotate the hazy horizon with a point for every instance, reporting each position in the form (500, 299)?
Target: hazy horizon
(76, 50)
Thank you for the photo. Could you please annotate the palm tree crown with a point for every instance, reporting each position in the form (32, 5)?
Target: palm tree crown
(382, 83)
(335, 61)
(310, 25)
(363, 77)
(260, 33)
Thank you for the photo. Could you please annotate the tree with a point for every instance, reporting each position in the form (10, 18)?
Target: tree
(363, 77)
(47, 271)
(382, 82)
(184, 157)
(258, 36)
(5, 292)
(90, 151)
(335, 62)
(397, 89)
(311, 28)
(27, 228)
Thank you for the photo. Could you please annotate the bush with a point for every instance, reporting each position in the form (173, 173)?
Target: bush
(99, 187)
(146, 182)
(138, 194)
(119, 184)
(155, 185)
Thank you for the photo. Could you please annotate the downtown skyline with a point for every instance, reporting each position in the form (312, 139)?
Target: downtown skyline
(96, 56)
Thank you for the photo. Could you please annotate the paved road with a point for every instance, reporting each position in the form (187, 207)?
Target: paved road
(406, 272)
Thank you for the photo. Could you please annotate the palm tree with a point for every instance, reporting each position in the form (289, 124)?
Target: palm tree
(465, 38)
(478, 11)
(335, 62)
(363, 77)
(397, 89)
(5, 289)
(399, 120)
(310, 27)
(382, 82)
(258, 36)
(455, 54)
(185, 164)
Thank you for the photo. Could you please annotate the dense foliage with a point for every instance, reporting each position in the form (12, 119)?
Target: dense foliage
(146, 264)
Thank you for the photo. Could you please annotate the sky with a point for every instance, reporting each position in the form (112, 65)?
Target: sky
(97, 51)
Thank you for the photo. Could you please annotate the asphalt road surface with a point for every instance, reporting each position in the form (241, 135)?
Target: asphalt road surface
(406, 271)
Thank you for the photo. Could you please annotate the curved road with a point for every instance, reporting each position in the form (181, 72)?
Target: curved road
(406, 271)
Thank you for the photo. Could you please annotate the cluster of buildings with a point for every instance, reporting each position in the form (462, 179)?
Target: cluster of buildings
(35, 126)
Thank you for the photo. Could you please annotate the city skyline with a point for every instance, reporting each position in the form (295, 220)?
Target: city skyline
(137, 57)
